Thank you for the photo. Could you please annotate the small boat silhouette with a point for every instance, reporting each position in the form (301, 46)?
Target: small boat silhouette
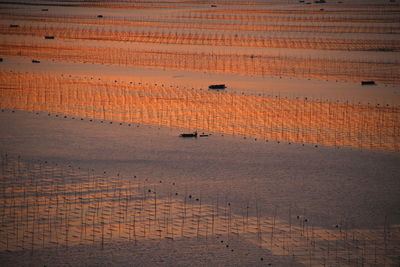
(204, 134)
(217, 86)
(368, 83)
(194, 134)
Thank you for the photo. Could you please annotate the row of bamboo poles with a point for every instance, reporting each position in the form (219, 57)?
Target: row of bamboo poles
(384, 16)
(225, 38)
(343, 16)
(46, 205)
(278, 66)
(292, 10)
(267, 118)
(244, 26)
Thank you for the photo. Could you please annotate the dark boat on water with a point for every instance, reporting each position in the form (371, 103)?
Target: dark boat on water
(217, 86)
(188, 134)
(35, 61)
(368, 83)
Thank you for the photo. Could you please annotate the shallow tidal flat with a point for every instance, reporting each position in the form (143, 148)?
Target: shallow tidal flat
(295, 162)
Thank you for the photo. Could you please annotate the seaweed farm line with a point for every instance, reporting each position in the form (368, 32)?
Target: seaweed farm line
(275, 24)
(46, 205)
(91, 33)
(245, 64)
(267, 118)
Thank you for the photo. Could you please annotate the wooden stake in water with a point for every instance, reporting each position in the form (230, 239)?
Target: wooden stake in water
(184, 214)
(102, 229)
(198, 220)
(155, 204)
(258, 224)
(273, 225)
(134, 227)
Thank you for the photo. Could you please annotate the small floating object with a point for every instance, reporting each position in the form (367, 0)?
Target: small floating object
(217, 86)
(35, 61)
(14, 25)
(99, 16)
(213, 5)
(188, 134)
(204, 135)
(1, 59)
(45, 9)
(49, 37)
(368, 83)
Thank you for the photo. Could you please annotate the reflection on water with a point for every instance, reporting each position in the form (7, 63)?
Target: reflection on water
(268, 118)
(47, 206)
